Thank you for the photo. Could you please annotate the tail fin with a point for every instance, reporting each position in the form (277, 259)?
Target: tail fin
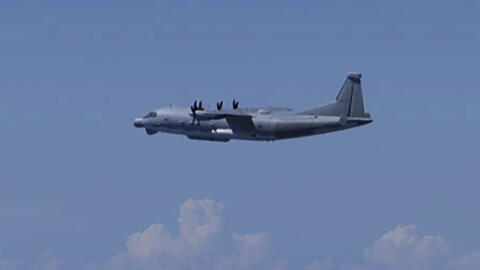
(349, 100)
(350, 97)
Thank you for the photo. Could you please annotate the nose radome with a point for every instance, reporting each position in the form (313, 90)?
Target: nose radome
(138, 122)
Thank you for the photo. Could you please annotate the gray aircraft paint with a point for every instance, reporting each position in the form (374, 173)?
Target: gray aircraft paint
(347, 111)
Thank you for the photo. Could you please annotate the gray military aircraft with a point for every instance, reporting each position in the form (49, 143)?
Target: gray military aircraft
(260, 124)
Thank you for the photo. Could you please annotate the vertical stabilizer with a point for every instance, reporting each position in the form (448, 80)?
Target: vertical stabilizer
(349, 101)
(351, 96)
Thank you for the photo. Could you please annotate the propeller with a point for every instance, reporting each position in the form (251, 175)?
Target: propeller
(235, 104)
(197, 106)
(220, 105)
(194, 109)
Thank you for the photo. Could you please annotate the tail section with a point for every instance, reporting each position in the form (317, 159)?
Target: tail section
(350, 97)
(349, 101)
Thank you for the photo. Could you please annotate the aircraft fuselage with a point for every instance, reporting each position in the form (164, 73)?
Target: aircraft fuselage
(220, 124)
(265, 127)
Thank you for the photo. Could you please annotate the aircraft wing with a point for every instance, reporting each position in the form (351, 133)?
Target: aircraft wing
(270, 110)
(239, 120)
(240, 123)
(213, 114)
(216, 114)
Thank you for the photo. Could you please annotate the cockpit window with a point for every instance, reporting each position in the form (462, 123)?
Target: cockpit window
(151, 115)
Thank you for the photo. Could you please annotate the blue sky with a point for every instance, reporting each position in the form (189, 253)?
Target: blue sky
(76, 179)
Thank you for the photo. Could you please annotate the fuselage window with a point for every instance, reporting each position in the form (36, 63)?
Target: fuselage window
(151, 115)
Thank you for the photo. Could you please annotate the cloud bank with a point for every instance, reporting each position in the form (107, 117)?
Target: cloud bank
(400, 248)
(202, 243)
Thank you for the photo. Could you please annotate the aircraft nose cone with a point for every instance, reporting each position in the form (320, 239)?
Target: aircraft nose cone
(138, 122)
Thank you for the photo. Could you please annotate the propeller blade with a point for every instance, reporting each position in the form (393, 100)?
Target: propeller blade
(235, 104)
(219, 105)
(194, 108)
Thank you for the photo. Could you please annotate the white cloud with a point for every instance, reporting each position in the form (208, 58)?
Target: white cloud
(400, 248)
(251, 251)
(202, 243)
(469, 262)
(200, 225)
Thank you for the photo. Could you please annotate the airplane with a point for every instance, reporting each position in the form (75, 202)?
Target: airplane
(260, 124)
